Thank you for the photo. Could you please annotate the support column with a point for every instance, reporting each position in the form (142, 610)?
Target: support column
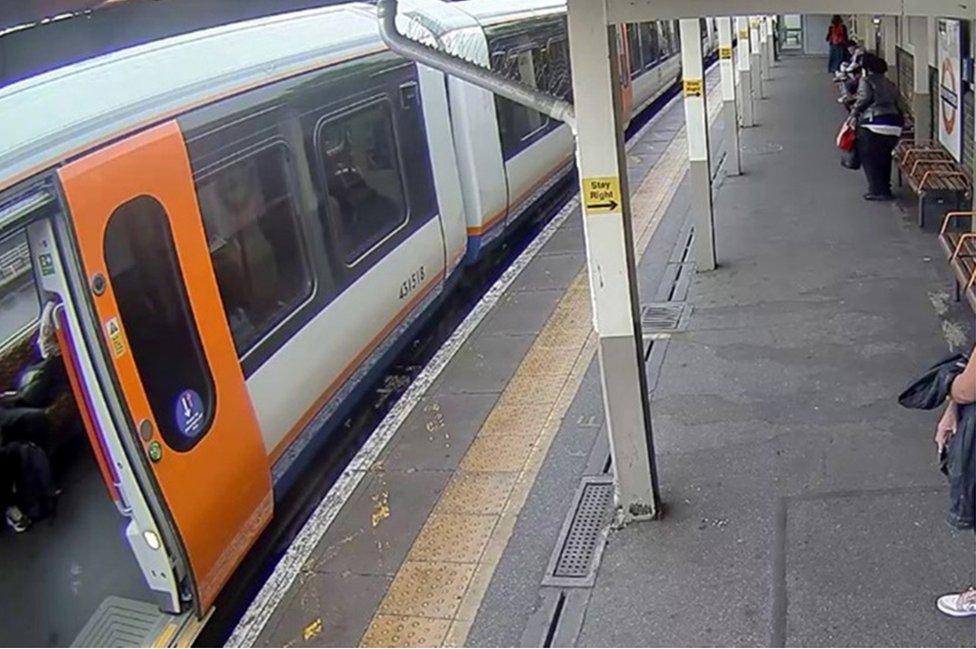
(921, 101)
(764, 48)
(729, 108)
(889, 41)
(770, 42)
(746, 98)
(696, 126)
(755, 61)
(607, 228)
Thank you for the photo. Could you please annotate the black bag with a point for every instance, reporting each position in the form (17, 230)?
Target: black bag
(35, 494)
(41, 383)
(851, 159)
(930, 390)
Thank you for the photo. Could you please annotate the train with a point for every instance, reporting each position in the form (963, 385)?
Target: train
(233, 231)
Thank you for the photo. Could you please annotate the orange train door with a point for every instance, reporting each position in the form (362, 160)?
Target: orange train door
(145, 254)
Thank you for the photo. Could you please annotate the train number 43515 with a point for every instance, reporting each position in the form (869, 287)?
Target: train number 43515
(412, 283)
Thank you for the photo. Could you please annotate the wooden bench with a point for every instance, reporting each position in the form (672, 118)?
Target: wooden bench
(960, 247)
(931, 172)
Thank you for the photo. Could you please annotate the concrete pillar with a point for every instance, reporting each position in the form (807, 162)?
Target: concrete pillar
(764, 48)
(771, 41)
(889, 41)
(729, 108)
(608, 232)
(696, 126)
(921, 101)
(755, 61)
(743, 53)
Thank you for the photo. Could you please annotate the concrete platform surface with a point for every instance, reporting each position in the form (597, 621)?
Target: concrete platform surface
(803, 505)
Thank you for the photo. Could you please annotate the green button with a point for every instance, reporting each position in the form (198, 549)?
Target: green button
(155, 451)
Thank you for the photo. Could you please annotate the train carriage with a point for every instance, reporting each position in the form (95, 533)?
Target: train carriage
(232, 232)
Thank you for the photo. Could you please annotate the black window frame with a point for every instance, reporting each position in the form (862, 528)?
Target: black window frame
(507, 40)
(655, 46)
(378, 99)
(242, 154)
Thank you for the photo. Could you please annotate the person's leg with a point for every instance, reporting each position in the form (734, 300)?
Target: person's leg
(864, 153)
(24, 424)
(875, 165)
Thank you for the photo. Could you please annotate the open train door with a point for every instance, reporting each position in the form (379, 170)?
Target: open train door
(146, 259)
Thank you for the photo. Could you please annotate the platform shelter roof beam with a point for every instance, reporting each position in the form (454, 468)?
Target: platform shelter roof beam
(635, 11)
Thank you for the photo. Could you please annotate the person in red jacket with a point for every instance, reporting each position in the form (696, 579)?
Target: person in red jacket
(837, 37)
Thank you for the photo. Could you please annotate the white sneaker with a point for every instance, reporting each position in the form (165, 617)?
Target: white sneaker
(958, 604)
(17, 520)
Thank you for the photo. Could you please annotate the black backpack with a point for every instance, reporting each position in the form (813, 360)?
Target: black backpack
(35, 494)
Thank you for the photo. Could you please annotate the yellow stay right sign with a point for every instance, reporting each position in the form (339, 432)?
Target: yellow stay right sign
(601, 194)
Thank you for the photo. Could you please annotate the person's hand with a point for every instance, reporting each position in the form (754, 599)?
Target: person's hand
(947, 426)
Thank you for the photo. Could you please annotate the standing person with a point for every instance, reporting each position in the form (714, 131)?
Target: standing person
(962, 393)
(879, 123)
(837, 37)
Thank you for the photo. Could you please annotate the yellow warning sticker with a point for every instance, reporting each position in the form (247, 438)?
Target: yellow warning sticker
(694, 87)
(725, 52)
(744, 33)
(601, 195)
(114, 332)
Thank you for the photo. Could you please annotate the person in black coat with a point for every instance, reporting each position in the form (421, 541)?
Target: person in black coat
(962, 394)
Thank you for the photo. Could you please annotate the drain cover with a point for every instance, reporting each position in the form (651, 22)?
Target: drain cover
(658, 317)
(579, 547)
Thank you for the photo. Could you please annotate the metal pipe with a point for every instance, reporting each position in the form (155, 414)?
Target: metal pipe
(555, 107)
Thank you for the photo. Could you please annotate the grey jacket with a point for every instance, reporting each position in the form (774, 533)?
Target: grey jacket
(876, 96)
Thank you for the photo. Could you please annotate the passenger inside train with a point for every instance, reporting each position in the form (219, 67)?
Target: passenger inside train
(60, 526)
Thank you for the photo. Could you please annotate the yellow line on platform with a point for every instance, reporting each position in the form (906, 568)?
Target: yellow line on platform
(438, 590)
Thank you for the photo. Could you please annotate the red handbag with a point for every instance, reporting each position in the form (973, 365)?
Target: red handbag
(846, 138)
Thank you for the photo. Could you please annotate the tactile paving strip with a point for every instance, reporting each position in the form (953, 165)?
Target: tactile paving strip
(401, 631)
(591, 517)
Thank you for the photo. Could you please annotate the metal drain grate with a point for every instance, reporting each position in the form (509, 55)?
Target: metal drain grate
(658, 317)
(584, 533)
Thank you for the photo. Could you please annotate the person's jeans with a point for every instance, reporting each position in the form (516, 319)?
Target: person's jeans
(875, 151)
(836, 58)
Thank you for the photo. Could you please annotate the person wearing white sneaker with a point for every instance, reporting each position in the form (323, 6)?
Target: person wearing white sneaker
(958, 604)
(961, 392)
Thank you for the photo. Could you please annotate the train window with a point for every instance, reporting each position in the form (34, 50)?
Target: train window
(366, 202)
(544, 67)
(255, 243)
(145, 275)
(634, 50)
(19, 302)
(650, 49)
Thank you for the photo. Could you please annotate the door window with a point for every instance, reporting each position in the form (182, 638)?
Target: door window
(145, 275)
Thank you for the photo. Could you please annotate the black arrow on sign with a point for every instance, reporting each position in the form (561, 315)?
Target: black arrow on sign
(612, 205)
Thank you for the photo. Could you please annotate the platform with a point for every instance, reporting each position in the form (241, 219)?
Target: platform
(803, 506)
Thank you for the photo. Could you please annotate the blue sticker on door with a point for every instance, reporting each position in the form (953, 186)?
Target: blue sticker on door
(189, 414)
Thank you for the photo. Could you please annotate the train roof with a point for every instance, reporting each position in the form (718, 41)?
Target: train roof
(54, 116)
(492, 11)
